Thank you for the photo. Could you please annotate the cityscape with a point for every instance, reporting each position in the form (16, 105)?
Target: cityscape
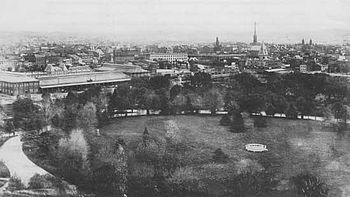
(174, 99)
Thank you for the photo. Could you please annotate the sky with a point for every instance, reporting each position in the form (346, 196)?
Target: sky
(183, 20)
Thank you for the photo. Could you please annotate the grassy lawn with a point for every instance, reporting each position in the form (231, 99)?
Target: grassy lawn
(294, 146)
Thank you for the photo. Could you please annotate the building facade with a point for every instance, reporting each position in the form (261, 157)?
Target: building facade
(17, 84)
(170, 57)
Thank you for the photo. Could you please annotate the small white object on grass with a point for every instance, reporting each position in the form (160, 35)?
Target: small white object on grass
(256, 148)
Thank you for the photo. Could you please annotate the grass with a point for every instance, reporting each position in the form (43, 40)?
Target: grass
(294, 146)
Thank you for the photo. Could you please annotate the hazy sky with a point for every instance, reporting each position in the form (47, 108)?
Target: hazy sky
(231, 20)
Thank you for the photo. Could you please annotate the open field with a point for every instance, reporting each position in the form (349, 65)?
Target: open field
(294, 147)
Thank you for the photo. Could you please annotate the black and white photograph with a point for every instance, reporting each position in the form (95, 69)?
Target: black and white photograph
(174, 98)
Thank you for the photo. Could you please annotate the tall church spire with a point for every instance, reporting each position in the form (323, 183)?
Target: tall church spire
(255, 38)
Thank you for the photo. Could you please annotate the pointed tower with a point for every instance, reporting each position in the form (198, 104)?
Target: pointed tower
(217, 47)
(255, 37)
(303, 41)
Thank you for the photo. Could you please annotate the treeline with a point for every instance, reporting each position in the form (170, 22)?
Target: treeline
(293, 94)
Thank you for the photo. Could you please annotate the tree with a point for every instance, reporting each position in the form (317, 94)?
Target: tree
(201, 80)
(136, 96)
(247, 82)
(303, 107)
(279, 103)
(2, 117)
(163, 101)
(219, 156)
(151, 101)
(291, 112)
(159, 82)
(252, 103)
(119, 100)
(340, 111)
(179, 103)
(87, 117)
(174, 91)
(213, 100)
(9, 127)
(270, 110)
(27, 115)
(237, 124)
(309, 185)
(47, 108)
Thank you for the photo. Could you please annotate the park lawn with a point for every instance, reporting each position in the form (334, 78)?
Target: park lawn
(295, 146)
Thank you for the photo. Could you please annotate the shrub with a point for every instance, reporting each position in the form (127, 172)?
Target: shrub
(219, 156)
(310, 185)
(225, 120)
(4, 171)
(237, 124)
(260, 122)
(252, 183)
(38, 181)
(15, 183)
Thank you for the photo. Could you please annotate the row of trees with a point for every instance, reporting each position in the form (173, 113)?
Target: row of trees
(294, 94)
(156, 94)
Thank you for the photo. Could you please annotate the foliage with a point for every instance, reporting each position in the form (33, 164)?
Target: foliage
(252, 183)
(4, 171)
(252, 103)
(9, 127)
(213, 100)
(27, 115)
(174, 91)
(164, 104)
(159, 82)
(303, 106)
(38, 181)
(72, 154)
(291, 111)
(310, 185)
(219, 156)
(237, 124)
(111, 173)
(87, 117)
(340, 111)
(201, 80)
(15, 183)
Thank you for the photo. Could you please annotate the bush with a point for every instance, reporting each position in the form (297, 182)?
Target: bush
(4, 171)
(252, 183)
(310, 185)
(225, 120)
(39, 182)
(237, 124)
(15, 183)
(260, 122)
(219, 156)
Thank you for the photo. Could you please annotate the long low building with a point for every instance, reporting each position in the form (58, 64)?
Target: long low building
(13, 83)
(171, 57)
(82, 80)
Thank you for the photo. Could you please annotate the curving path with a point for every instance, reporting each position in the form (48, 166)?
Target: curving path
(12, 155)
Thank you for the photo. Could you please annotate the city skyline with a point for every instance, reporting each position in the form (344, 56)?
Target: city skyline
(169, 20)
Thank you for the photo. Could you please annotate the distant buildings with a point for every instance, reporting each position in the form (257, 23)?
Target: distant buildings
(170, 57)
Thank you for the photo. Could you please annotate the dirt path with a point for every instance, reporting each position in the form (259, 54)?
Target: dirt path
(17, 162)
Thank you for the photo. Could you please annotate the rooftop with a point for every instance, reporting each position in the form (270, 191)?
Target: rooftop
(82, 79)
(15, 77)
